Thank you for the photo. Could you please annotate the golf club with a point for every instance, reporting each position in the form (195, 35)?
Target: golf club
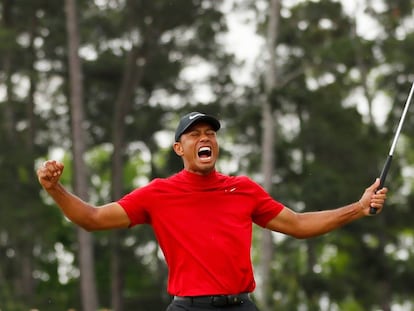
(387, 163)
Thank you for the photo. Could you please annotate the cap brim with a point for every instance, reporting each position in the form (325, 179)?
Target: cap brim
(202, 118)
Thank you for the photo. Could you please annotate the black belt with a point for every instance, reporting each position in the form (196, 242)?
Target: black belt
(216, 300)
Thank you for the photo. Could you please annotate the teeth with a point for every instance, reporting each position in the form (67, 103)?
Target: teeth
(205, 149)
(204, 152)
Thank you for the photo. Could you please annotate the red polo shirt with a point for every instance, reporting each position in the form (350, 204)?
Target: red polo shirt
(204, 227)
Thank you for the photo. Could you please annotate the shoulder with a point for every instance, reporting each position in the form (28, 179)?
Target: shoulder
(149, 187)
(241, 181)
(159, 183)
(162, 184)
(244, 180)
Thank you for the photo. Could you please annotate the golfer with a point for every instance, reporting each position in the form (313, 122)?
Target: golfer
(203, 219)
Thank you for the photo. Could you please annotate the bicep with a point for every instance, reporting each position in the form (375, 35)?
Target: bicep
(287, 222)
(110, 216)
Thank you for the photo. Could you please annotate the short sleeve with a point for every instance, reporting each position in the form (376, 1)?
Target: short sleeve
(134, 204)
(266, 208)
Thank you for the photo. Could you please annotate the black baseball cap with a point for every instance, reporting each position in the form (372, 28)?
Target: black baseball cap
(193, 117)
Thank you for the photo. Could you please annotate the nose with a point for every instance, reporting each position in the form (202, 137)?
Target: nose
(204, 137)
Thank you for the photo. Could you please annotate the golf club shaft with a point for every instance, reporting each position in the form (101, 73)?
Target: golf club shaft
(387, 164)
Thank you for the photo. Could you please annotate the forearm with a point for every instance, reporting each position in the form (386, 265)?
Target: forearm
(74, 208)
(89, 217)
(312, 224)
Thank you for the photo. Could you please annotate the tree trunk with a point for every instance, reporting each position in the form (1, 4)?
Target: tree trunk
(131, 77)
(86, 257)
(6, 61)
(268, 141)
(266, 243)
(14, 143)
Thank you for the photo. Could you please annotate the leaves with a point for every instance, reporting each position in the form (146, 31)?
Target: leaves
(327, 148)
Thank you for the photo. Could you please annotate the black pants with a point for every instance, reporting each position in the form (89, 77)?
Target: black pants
(188, 306)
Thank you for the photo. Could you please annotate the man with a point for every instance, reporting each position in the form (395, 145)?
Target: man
(203, 219)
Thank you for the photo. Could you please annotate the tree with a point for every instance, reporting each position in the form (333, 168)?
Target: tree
(134, 58)
(268, 119)
(19, 152)
(317, 55)
(80, 186)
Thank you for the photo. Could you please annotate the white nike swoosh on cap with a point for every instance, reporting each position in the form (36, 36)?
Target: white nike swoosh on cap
(196, 115)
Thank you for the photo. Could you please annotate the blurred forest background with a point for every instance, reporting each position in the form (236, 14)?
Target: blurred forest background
(101, 84)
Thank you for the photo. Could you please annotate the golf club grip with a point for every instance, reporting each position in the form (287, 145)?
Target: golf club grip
(383, 176)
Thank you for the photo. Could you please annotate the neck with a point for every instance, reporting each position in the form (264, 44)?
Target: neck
(201, 172)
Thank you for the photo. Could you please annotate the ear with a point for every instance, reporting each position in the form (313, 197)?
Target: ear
(178, 148)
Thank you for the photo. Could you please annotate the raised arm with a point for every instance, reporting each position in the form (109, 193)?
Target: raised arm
(87, 216)
(310, 224)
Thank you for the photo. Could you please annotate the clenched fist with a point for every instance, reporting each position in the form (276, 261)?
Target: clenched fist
(49, 173)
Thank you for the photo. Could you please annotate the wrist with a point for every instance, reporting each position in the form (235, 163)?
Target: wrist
(358, 208)
(52, 187)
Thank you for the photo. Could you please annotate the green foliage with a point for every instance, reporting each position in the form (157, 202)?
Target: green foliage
(326, 150)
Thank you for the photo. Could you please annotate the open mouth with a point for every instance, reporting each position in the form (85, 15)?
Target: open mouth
(204, 153)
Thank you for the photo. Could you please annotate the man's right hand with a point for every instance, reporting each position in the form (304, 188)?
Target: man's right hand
(49, 173)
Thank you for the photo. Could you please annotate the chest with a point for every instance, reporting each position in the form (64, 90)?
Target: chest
(227, 206)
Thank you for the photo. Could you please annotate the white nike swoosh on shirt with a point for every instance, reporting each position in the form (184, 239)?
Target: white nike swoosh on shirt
(196, 115)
